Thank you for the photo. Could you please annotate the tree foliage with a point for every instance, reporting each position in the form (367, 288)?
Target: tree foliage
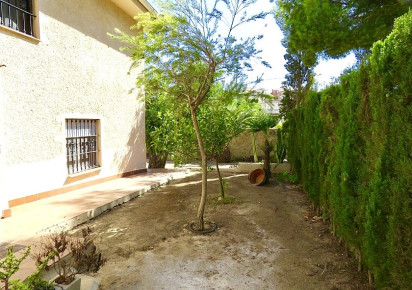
(333, 28)
(224, 117)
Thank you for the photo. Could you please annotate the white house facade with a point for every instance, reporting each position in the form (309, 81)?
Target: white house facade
(67, 118)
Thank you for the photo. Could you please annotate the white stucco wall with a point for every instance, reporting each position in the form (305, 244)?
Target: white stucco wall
(3, 200)
(74, 71)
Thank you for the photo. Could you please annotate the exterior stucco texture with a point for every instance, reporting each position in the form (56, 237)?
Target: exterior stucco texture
(75, 70)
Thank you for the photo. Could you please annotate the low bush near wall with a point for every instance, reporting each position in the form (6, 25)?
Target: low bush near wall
(351, 146)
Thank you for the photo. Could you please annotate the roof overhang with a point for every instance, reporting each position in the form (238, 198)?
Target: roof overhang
(134, 7)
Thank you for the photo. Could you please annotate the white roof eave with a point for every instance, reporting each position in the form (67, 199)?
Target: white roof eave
(134, 7)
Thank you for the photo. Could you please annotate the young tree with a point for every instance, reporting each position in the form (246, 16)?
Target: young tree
(186, 49)
(222, 118)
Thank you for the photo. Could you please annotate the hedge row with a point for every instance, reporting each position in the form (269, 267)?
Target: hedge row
(351, 147)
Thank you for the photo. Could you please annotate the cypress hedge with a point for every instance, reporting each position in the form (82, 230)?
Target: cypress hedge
(351, 147)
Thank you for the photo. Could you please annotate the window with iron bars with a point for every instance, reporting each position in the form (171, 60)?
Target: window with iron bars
(81, 145)
(17, 15)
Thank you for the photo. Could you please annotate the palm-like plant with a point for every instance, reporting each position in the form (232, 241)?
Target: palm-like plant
(262, 122)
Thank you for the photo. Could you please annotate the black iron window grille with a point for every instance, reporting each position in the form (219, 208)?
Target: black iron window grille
(17, 15)
(81, 145)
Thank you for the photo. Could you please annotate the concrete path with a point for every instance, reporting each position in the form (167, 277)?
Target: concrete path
(65, 211)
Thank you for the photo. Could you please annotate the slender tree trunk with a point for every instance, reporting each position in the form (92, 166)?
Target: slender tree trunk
(201, 209)
(370, 278)
(255, 157)
(222, 188)
(359, 261)
(266, 163)
(318, 211)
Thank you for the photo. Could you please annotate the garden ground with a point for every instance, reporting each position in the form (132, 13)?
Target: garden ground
(267, 238)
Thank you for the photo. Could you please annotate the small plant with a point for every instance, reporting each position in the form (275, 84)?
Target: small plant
(85, 255)
(218, 200)
(287, 177)
(10, 265)
(34, 281)
(57, 245)
(70, 255)
(325, 216)
(210, 168)
(222, 188)
(228, 200)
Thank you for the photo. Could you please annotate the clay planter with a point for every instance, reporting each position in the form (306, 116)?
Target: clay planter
(74, 285)
(257, 177)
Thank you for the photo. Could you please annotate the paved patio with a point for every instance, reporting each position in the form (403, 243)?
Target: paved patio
(63, 212)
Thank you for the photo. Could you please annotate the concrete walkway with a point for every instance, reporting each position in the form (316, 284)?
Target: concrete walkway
(65, 211)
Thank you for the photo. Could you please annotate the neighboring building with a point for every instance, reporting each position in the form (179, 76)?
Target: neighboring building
(67, 119)
(272, 106)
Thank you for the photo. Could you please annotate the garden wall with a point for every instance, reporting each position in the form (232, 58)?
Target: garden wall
(351, 147)
(241, 146)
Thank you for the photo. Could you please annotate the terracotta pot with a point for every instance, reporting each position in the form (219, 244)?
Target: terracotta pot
(257, 177)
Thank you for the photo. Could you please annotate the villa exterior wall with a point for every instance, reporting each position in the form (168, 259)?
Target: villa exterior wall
(73, 70)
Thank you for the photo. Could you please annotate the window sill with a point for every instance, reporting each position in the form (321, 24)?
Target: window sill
(71, 178)
(23, 35)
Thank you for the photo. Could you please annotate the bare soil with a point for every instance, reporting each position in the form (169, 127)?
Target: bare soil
(267, 238)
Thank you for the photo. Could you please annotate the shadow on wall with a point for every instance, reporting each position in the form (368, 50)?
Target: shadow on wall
(94, 18)
(133, 155)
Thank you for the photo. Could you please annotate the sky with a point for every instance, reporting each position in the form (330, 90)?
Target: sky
(273, 51)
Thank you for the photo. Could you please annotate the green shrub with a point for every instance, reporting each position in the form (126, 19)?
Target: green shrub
(10, 265)
(287, 177)
(35, 280)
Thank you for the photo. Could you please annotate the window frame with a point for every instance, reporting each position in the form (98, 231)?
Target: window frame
(13, 24)
(82, 145)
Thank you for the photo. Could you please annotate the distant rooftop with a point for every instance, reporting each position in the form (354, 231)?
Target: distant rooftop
(278, 94)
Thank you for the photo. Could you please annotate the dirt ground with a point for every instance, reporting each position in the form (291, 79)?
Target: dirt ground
(266, 239)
